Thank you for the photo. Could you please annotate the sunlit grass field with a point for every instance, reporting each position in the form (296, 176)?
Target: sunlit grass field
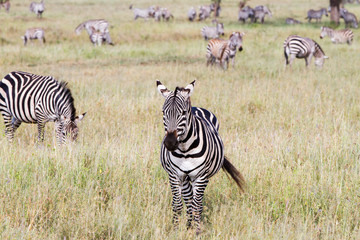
(294, 134)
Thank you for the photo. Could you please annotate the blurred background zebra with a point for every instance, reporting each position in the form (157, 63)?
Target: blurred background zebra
(5, 5)
(191, 152)
(37, 8)
(300, 47)
(191, 14)
(222, 51)
(30, 98)
(99, 25)
(245, 13)
(213, 32)
(143, 13)
(291, 21)
(205, 11)
(97, 37)
(337, 36)
(316, 14)
(34, 33)
(260, 12)
(349, 18)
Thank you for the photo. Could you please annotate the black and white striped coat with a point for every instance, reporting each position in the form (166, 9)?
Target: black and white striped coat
(30, 98)
(205, 11)
(34, 33)
(212, 32)
(337, 36)
(191, 152)
(222, 51)
(302, 47)
(349, 18)
(98, 25)
(316, 14)
(260, 12)
(37, 8)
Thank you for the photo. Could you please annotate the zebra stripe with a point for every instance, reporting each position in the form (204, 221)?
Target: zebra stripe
(30, 98)
(34, 33)
(191, 152)
(300, 47)
(213, 32)
(99, 25)
(337, 36)
(37, 8)
(221, 51)
(316, 14)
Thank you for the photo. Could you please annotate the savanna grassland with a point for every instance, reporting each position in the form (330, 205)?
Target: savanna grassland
(293, 134)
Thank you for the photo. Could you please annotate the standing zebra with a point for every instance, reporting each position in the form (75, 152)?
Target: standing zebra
(221, 51)
(316, 14)
(191, 14)
(337, 36)
(100, 25)
(30, 98)
(245, 13)
(349, 18)
(260, 12)
(34, 33)
(299, 47)
(5, 5)
(97, 37)
(143, 13)
(191, 151)
(212, 32)
(205, 11)
(37, 8)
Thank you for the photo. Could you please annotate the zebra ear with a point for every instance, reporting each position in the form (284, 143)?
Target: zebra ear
(162, 89)
(188, 89)
(80, 117)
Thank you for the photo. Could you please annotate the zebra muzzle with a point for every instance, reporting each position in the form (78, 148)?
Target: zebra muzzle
(171, 143)
(240, 49)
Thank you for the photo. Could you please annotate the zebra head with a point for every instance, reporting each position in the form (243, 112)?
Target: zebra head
(220, 28)
(324, 12)
(235, 41)
(70, 128)
(324, 32)
(176, 113)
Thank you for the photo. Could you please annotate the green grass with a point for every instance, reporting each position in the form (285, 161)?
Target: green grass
(293, 134)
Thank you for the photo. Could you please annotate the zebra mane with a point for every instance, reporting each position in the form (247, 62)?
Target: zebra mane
(66, 93)
(318, 50)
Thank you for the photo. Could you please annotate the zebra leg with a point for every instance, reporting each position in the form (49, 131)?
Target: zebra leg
(9, 128)
(308, 60)
(41, 126)
(176, 201)
(198, 194)
(60, 136)
(187, 193)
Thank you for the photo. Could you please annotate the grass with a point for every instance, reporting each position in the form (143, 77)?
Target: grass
(293, 134)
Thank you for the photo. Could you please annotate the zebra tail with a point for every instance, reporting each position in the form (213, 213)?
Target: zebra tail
(235, 174)
(44, 40)
(79, 28)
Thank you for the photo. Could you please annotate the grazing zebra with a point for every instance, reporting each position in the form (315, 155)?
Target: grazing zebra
(299, 47)
(349, 18)
(221, 51)
(34, 33)
(191, 151)
(291, 21)
(5, 5)
(245, 13)
(212, 32)
(260, 12)
(143, 13)
(191, 14)
(337, 36)
(316, 14)
(166, 14)
(30, 98)
(205, 11)
(37, 8)
(99, 25)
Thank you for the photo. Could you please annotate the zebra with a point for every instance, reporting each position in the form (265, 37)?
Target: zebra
(37, 8)
(5, 5)
(316, 14)
(143, 13)
(100, 25)
(291, 21)
(260, 12)
(191, 14)
(166, 14)
(34, 33)
(31, 98)
(300, 47)
(205, 11)
(349, 18)
(221, 51)
(191, 152)
(212, 32)
(97, 37)
(337, 36)
(245, 13)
